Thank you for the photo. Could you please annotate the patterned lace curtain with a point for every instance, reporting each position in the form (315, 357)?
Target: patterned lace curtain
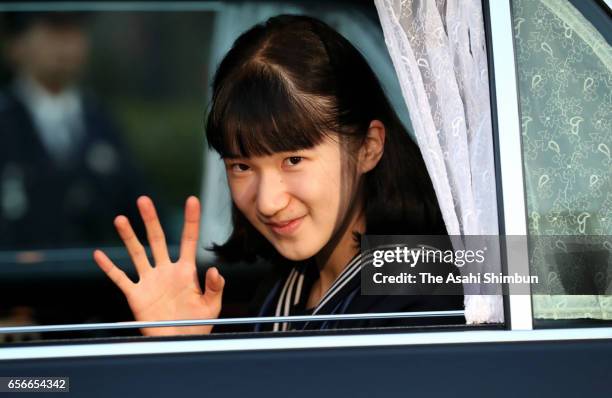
(565, 81)
(438, 50)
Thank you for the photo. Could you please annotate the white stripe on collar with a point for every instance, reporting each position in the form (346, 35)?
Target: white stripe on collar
(280, 299)
(287, 301)
(345, 276)
(298, 291)
(284, 300)
(349, 273)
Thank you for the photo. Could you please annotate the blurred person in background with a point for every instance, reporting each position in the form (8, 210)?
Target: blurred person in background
(64, 171)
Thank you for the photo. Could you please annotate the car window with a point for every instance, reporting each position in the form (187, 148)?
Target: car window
(563, 57)
(145, 75)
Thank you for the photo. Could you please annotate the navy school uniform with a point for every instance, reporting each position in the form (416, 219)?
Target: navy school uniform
(286, 293)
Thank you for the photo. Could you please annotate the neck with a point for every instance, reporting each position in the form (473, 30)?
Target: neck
(334, 257)
(50, 86)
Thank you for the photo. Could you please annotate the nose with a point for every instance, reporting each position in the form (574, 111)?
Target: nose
(272, 195)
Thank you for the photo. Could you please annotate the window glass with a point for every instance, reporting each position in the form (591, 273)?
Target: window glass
(130, 87)
(565, 76)
(100, 107)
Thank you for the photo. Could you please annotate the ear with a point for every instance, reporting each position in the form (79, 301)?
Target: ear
(373, 147)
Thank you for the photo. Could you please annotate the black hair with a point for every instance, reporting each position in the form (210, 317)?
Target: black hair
(284, 85)
(16, 23)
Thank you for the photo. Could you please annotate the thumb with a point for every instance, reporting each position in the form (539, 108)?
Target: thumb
(214, 285)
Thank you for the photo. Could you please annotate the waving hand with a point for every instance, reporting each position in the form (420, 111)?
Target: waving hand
(169, 290)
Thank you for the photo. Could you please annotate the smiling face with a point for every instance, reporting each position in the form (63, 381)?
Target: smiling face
(297, 200)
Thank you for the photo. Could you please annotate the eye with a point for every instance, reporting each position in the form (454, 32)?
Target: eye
(293, 160)
(239, 167)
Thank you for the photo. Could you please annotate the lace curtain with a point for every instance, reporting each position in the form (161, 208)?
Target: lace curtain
(438, 50)
(565, 81)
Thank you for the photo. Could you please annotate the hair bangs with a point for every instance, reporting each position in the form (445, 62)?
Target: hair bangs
(257, 115)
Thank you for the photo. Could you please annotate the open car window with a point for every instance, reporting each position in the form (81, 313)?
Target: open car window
(142, 98)
(145, 78)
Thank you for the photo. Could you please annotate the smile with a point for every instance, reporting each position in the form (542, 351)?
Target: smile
(288, 227)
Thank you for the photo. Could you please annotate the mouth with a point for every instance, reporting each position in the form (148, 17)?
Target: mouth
(286, 228)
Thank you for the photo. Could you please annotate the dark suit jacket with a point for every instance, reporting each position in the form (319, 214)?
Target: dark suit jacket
(44, 204)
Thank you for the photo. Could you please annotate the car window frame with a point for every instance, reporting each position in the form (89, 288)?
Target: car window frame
(518, 324)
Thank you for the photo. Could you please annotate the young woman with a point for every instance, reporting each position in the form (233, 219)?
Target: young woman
(315, 157)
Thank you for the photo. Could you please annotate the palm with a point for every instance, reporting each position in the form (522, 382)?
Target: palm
(170, 290)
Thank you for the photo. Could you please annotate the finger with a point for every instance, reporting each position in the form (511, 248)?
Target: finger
(191, 229)
(155, 233)
(132, 244)
(214, 286)
(115, 274)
